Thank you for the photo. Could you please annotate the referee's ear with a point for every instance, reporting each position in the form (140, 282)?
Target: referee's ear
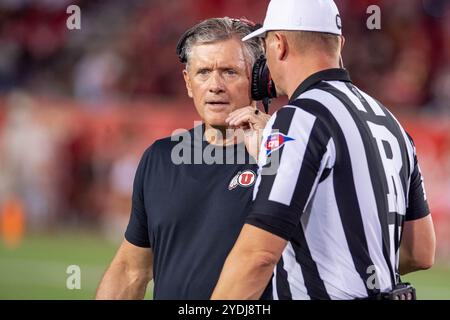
(281, 45)
(342, 43)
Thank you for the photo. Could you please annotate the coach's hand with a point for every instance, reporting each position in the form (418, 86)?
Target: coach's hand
(253, 122)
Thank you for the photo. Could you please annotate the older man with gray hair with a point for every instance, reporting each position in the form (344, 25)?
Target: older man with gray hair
(187, 215)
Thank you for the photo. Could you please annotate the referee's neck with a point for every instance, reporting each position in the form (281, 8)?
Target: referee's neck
(300, 69)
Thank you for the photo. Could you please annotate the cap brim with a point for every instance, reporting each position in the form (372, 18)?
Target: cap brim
(261, 32)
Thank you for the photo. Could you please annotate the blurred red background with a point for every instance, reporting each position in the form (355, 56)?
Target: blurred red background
(78, 108)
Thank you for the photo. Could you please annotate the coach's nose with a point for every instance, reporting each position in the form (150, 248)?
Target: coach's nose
(216, 84)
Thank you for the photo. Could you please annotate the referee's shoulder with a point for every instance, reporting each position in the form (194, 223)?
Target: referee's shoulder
(312, 107)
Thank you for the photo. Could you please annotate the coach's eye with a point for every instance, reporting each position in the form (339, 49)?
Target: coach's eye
(230, 72)
(203, 71)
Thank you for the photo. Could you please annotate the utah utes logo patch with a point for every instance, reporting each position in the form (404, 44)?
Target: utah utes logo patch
(275, 141)
(244, 179)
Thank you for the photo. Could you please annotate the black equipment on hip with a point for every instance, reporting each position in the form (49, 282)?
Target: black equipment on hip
(402, 291)
(263, 87)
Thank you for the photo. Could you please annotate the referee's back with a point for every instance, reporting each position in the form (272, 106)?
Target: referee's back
(346, 181)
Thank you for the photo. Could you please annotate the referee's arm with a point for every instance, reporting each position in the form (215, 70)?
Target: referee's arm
(273, 218)
(250, 264)
(418, 244)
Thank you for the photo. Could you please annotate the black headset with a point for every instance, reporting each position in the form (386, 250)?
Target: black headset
(181, 53)
(263, 88)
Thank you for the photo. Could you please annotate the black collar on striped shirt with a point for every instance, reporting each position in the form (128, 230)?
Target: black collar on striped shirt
(336, 74)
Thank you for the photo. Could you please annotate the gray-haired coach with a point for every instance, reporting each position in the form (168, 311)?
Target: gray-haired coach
(186, 216)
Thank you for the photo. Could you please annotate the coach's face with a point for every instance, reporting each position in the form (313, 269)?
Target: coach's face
(218, 80)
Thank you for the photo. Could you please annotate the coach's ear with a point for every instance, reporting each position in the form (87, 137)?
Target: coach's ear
(187, 80)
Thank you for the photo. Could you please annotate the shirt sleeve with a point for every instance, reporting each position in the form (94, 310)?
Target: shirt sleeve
(417, 198)
(294, 154)
(137, 229)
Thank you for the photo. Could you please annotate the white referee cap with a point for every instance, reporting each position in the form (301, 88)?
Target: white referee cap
(300, 15)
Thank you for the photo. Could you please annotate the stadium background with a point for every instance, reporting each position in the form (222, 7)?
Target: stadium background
(77, 109)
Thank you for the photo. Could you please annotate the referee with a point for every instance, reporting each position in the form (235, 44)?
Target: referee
(346, 212)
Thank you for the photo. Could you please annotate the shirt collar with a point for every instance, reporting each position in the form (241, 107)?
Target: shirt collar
(324, 75)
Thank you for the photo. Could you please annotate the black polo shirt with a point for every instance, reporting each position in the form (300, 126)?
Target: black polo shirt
(189, 214)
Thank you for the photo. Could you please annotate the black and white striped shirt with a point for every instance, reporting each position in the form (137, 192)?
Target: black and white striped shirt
(346, 178)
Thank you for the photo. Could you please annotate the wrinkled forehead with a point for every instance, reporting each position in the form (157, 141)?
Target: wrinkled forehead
(225, 53)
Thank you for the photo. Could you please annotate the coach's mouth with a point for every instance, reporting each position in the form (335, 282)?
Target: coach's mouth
(217, 106)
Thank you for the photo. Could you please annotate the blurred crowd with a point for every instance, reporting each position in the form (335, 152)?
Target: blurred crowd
(71, 132)
(65, 168)
(406, 64)
(125, 49)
